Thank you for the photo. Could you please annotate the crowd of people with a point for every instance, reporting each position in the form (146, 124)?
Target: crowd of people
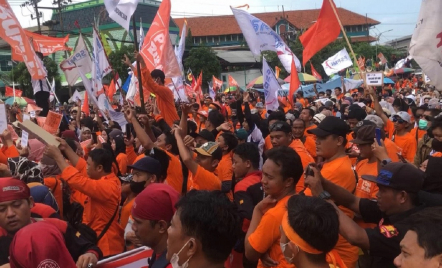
(349, 178)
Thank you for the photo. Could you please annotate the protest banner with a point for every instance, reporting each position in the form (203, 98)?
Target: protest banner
(136, 258)
(3, 119)
(24, 139)
(337, 62)
(374, 79)
(271, 87)
(39, 133)
(52, 122)
(121, 11)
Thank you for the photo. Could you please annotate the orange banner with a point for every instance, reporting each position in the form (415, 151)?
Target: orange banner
(216, 82)
(157, 50)
(232, 82)
(44, 44)
(15, 36)
(52, 122)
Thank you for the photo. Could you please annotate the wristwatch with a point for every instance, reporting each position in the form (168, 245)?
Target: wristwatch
(325, 195)
(386, 162)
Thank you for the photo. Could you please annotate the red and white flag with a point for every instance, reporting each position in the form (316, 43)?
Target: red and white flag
(157, 50)
(79, 59)
(136, 258)
(15, 36)
(315, 73)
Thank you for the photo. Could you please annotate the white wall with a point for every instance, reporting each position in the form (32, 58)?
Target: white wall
(242, 77)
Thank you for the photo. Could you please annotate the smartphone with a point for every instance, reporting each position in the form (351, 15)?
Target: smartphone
(401, 157)
(94, 137)
(378, 135)
(128, 131)
(309, 171)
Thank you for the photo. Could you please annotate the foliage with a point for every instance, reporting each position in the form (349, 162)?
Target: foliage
(203, 59)
(115, 60)
(189, 38)
(21, 76)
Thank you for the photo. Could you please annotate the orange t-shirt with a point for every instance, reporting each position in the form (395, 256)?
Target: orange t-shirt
(267, 235)
(8, 152)
(267, 143)
(408, 145)
(340, 172)
(203, 180)
(420, 133)
(313, 126)
(56, 186)
(392, 150)
(389, 129)
(126, 212)
(310, 145)
(364, 188)
(225, 172)
(306, 159)
(131, 155)
(174, 173)
(122, 163)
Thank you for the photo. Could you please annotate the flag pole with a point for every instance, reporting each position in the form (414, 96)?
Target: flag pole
(140, 84)
(345, 36)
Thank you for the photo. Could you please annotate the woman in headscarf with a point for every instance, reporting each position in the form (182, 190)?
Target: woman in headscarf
(24, 169)
(40, 244)
(36, 149)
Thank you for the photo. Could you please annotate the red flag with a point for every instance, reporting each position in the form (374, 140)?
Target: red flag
(325, 30)
(85, 106)
(315, 73)
(9, 92)
(18, 93)
(216, 83)
(112, 87)
(198, 90)
(232, 82)
(157, 50)
(294, 82)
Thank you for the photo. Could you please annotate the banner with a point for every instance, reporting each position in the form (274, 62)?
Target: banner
(79, 59)
(382, 58)
(15, 36)
(271, 87)
(136, 258)
(179, 50)
(48, 45)
(212, 92)
(52, 122)
(121, 11)
(101, 66)
(157, 50)
(260, 37)
(337, 62)
(216, 83)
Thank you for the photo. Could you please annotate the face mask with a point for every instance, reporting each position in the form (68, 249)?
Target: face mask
(210, 110)
(175, 258)
(137, 187)
(423, 124)
(436, 145)
(283, 247)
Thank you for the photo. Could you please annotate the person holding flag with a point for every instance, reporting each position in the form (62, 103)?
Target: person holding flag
(154, 82)
(41, 91)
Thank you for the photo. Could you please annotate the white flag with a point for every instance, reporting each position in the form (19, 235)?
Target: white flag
(101, 66)
(271, 87)
(337, 62)
(121, 11)
(426, 42)
(76, 96)
(87, 85)
(261, 37)
(179, 50)
(81, 59)
(212, 92)
(141, 38)
(178, 89)
(133, 88)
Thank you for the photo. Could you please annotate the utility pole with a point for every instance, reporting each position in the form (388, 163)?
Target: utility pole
(34, 4)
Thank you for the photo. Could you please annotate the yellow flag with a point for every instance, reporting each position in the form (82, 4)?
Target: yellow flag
(106, 46)
(277, 70)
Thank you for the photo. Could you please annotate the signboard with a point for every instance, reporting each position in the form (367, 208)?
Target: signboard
(374, 79)
(3, 119)
(24, 139)
(40, 134)
(52, 122)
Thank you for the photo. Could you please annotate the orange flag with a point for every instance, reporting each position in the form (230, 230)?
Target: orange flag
(277, 70)
(232, 82)
(85, 106)
(111, 90)
(157, 50)
(199, 82)
(12, 32)
(9, 92)
(325, 30)
(315, 73)
(294, 82)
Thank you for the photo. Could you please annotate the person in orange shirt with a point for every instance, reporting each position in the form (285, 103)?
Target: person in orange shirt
(227, 142)
(307, 115)
(281, 136)
(298, 130)
(300, 98)
(280, 174)
(103, 191)
(339, 94)
(202, 168)
(153, 81)
(8, 149)
(273, 118)
(423, 123)
(119, 148)
(330, 145)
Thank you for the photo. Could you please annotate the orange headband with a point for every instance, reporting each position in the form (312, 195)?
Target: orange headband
(295, 238)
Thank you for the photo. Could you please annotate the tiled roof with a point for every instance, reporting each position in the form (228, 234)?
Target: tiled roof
(363, 39)
(301, 19)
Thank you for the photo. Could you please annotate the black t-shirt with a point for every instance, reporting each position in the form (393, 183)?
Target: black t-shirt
(385, 238)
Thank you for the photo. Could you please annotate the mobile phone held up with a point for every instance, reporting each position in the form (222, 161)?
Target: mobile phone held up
(378, 136)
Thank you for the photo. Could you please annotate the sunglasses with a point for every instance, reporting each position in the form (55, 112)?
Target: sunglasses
(276, 127)
(399, 120)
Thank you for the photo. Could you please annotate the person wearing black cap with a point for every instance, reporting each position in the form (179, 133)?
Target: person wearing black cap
(337, 168)
(397, 199)
(202, 137)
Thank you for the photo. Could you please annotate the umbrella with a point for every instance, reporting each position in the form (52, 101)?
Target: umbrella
(231, 89)
(303, 77)
(403, 70)
(388, 81)
(258, 82)
(21, 101)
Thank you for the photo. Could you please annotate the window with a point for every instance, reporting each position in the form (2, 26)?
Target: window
(224, 78)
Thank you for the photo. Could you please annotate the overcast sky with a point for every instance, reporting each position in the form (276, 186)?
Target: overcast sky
(399, 16)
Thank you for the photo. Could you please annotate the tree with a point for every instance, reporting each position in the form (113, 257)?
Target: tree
(189, 38)
(21, 76)
(203, 59)
(115, 58)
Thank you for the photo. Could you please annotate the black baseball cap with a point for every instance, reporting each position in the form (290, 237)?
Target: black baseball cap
(365, 134)
(399, 176)
(329, 126)
(281, 126)
(205, 134)
(147, 164)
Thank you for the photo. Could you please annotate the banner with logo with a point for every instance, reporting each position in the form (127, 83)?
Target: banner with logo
(79, 59)
(15, 36)
(157, 50)
(101, 66)
(271, 87)
(337, 62)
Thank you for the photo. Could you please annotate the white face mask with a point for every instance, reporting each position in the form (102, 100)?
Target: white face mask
(175, 258)
(283, 247)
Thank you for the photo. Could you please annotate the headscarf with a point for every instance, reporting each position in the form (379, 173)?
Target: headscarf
(41, 194)
(40, 244)
(70, 134)
(156, 202)
(25, 170)
(49, 167)
(36, 150)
